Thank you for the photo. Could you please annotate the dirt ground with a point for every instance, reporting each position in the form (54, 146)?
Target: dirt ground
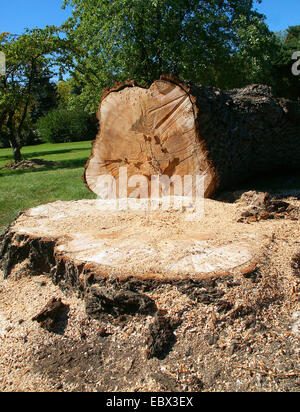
(238, 332)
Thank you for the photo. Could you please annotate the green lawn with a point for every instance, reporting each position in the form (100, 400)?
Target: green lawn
(22, 189)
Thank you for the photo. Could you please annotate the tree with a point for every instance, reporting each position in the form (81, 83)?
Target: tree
(45, 95)
(224, 43)
(284, 81)
(64, 89)
(31, 60)
(65, 125)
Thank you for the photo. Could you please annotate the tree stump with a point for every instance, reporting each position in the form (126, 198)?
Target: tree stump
(179, 128)
(79, 245)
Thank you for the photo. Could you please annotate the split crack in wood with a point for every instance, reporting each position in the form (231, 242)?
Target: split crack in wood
(73, 239)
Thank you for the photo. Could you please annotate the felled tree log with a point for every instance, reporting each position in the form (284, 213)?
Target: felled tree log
(177, 128)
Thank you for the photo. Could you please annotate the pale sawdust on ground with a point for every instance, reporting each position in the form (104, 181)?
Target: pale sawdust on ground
(259, 357)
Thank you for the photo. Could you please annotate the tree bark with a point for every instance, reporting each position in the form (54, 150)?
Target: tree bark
(16, 148)
(180, 128)
(80, 244)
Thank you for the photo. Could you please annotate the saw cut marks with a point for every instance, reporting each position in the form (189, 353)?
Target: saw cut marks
(70, 237)
(148, 131)
(178, 128)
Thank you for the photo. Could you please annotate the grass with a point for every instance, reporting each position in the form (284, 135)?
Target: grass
(22, 189)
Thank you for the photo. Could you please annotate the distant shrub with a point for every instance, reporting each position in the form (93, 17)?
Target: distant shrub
(61, 125)
(29, 136)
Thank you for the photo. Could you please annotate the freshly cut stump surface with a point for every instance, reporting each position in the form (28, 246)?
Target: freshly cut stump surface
(77, 238)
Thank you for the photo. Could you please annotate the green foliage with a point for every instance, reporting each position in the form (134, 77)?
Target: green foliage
(284, 82)
(60, 181)
(224, 43)
(26, 91)
(64, 89)
(69, 95)
(61, 125)
(45, 97)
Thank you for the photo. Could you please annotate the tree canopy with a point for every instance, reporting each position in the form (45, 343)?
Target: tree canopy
(285, 82)
(31, 60)
(224, 43)
(221, 43)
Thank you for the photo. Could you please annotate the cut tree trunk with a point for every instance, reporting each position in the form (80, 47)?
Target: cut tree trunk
(79, 245)
(177, 128)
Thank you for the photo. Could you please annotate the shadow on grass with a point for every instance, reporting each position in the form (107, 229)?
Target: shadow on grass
(63, 164)
(30, 155)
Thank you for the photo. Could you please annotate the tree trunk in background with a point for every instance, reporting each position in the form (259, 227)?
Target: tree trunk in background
(177, 128)
(16, 148)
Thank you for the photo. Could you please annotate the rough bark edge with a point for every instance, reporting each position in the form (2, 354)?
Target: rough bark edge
(22, 254)
(187, 87)
(38, 255)
(26, 255)
(79, 278)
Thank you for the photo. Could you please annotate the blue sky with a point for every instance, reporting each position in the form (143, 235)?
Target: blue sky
(280, 13)
(15, 15)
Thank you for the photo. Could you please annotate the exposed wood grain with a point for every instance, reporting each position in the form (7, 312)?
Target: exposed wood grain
(177, 128)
